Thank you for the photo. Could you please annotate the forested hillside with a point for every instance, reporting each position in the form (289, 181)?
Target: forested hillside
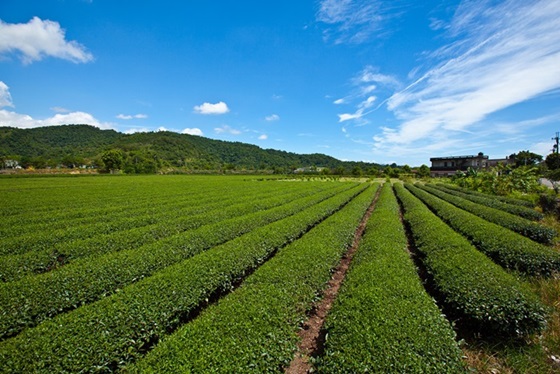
(83, 145)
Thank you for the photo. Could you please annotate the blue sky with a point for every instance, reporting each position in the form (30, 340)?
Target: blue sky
(380, 81)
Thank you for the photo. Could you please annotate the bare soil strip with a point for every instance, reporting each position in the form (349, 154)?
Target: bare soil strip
(311, 334)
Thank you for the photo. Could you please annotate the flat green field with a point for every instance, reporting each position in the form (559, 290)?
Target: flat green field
(184, 274)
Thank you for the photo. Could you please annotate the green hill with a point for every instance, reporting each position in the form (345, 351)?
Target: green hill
(76, 145)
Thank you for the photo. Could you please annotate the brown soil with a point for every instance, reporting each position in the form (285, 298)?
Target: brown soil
(311, 334)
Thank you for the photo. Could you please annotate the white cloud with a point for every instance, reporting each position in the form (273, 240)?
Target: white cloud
(207, 108)
(227, 130)
(339, 101)
(355, 21)
(263, 137)
(129, 116)
(5, 96)
(192, 131)
(360, 112)
(36, 39)
(501, 56)
(272, 117)
(25, 121)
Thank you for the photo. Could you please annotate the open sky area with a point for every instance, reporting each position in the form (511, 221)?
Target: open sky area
(364, 80)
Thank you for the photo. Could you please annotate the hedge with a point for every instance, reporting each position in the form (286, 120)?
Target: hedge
(489, 201)
(532, 230)
(383, 320)
(26, 302)
(505, 247)
(471, 286)
(105, 335)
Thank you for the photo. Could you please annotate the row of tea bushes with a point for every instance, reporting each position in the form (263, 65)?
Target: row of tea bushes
(505, 199)
(18, 266)
(518, 210)
(117, 329)
(505, 247)
(254, 328)
(532, 230)
(470, 284)
(26, 302)
(383, 320)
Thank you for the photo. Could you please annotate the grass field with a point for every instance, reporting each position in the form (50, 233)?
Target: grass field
(183, 273)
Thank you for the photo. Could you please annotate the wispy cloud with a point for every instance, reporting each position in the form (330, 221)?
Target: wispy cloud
(208, 108)
(498, 56)
(134, 116)
(227, 130)
(36, 39)
(368, 81)
(263, 137)
(272, 117)
(354, 21)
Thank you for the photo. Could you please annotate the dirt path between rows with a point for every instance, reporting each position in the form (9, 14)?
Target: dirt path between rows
(311, 334)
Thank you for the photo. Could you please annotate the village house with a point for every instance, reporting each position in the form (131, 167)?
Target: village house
(448, 166)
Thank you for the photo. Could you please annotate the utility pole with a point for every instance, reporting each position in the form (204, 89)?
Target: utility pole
(557, 140)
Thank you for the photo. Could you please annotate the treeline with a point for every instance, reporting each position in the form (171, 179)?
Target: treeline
(84, 146)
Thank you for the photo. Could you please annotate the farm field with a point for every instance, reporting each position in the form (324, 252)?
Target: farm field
(221, 273)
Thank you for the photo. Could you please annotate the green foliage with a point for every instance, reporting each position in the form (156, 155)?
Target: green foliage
(553, 161)
(423, 171)
(491, 202)
(504, 199)
(113, 160)
(480, 292)
(532, 230)
(383, 320)
(526, 158)
(143, 312)
(501, 180)
(150, 152)
(254, 328)
(507, 248)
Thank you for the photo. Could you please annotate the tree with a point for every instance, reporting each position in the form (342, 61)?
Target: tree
(112, 160)
(526, 158)
(406, 169)
(423, 171)
(553, 161)
(357, 171)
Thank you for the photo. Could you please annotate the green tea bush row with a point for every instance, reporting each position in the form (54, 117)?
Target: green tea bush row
(505, 199)
(470, 284)
(532, 230)
(29, 301)
(18, 266)
(51, 221)
(39, 237)
(105, 335)
(518, 210)
(507, 248)
(254, 328)
(383, 320)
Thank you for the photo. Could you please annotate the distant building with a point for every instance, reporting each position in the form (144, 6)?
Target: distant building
(447, 166)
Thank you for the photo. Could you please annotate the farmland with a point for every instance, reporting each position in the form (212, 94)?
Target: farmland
(184, 273)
